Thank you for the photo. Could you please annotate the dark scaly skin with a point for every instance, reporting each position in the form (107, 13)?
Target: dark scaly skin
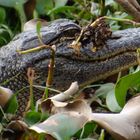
(117, 55)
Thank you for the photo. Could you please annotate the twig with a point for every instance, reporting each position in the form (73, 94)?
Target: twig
(34, 49)
(30, 74)
(136, 24)
(51, 67)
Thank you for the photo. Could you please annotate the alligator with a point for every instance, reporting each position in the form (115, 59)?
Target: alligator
(117, 55)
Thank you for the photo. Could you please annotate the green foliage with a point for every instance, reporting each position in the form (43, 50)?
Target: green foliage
(86, 131)
(5, 31)
(111, 101)
(18, 5)
(11, 3)
(102, 135)
(2, 15)
(108, 96)
(124, 84)
(107, 92)
(12, 105)
(32, 117)
(5, 34)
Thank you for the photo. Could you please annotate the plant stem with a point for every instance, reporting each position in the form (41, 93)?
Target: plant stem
(102, 7)
(34, 49)
(123, 20)
(51, 68)
(30, 74)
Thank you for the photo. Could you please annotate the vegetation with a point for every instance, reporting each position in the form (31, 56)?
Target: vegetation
(107, 97)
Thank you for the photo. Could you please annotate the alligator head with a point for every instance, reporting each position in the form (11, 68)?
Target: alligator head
(117, 54)
(89, 66)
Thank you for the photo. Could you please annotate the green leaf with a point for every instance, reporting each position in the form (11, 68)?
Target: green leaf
(102, 135)
(2, 15)
(12, 105)
(43, 6)
(88, 130)
(124, 84)
(61, 9)
(38, 28)
(3, 41)
(107, 92)
(111, 102)
(59, 3)
(11, 3)
(5, 28)
(104, 90)
(32, 117)
(18, 5)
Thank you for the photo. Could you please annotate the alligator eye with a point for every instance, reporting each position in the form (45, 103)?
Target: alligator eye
(43, 83)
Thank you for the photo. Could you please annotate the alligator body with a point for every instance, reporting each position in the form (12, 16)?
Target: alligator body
(88, 67)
